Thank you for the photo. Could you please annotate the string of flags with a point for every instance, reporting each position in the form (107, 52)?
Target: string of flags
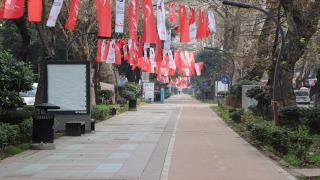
(136, 49)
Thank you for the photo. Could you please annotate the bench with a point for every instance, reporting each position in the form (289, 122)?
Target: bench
(75, 128)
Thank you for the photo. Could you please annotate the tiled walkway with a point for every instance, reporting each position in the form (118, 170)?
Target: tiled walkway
(181, 139)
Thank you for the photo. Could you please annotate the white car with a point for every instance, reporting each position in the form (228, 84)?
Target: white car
(29, 96)
(302, 97)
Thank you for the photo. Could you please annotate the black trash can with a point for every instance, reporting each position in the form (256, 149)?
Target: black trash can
(43, 124)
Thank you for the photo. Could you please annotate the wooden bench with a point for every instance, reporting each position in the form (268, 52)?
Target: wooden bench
(75, 128)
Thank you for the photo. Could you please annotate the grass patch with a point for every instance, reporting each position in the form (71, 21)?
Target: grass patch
(292, 160)
(10, 151)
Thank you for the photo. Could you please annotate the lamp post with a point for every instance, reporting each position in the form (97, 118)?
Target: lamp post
(276, 71)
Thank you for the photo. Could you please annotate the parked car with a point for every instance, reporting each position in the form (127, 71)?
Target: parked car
(302, 96)
(29, 96)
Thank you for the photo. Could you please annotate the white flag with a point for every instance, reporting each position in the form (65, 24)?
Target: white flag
(119, 16)
(193, 33)
(172, 64)
(161, 23)
(212, 22)
(197, 67)
(167, 42)
(55, 10)
(111, 58)
(153, 63)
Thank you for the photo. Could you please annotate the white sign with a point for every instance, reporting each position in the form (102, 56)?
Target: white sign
(119, 16)
(148, 91)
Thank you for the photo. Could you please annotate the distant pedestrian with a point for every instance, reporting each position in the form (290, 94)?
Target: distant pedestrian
(179, 92)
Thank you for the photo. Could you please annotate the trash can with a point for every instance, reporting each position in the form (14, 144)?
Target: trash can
(43, 124)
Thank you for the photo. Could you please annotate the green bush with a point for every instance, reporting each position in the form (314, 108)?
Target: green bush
(130, 90)
(15, 76)
(10, 133)
(252, 108)
(25, 129)
(259, 131)
(289, 117)
(122, 101)
(99, 111)
(235, 114)
(14, 116)
(279, 139)
(105, 96)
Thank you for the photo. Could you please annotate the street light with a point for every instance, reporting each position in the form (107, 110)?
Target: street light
(276, 71)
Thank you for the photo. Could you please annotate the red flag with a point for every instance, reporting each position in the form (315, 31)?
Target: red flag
(11, 9)
(149, 22)
(99, 51)
(34, 10)
(103, 49)
(133, 53)
(74, 8)
(177, 59)
(104, 18)
(206, 30)
(117, 47)
(158, 50)
(177, 29)
(133, 17)
(172, 12)
(200, 25)
(184, 28)
(193, 16)
(125, 52)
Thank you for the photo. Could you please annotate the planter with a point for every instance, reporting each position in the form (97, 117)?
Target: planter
(132, 105)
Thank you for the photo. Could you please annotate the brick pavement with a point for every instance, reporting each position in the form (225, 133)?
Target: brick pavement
(181, 139)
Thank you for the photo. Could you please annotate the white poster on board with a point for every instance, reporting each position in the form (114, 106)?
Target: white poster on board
(148, 91)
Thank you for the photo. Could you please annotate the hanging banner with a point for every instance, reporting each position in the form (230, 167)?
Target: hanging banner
(54, 12)
(11, 9)
(172, 64)
(119, 16)
(111, 58)
(117, 48)
(192, 26)
(184, 28)
(152, 58)
(149, 23)
(200, 25)
(74, 8)
(133, 18)
(103, 48)
(104, 18)
(172, 12)
(206, 30)
(161, 20)
(167, 42)
(212, 22)
(34, 10)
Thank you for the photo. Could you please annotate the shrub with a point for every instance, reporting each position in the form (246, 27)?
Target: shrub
(130, 90)
(259, 131)
(252, 108)
(25, 129)
(99, 111)
(300, 144)
(289, 117)
(14, 116)
(278, 139)
(122, 101)
(235, 114)
(105, 96)
(15, 76)
(10, 133)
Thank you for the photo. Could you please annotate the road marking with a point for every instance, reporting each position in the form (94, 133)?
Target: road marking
(166, 166)
(214, 152)
(222, 168)
(219, 162)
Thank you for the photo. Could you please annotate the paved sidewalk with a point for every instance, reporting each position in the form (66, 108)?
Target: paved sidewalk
(181, 139)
